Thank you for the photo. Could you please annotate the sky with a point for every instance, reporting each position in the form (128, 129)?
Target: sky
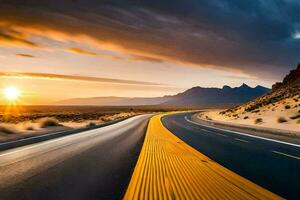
(59, 49)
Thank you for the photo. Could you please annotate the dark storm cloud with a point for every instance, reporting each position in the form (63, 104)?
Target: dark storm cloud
(254, 36)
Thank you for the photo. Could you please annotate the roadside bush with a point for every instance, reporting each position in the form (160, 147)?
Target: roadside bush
(258, 121)
(281, 120)
(29, 128)
(7, 130)
(91, 124)
(287, 107)
(208, 118)
(295, 117)
(49, 122)
(255, 111)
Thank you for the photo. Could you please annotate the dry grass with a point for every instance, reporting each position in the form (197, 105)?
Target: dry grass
(70, 113)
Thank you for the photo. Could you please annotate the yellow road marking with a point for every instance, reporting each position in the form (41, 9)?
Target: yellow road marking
(168, 168)
(287, 155)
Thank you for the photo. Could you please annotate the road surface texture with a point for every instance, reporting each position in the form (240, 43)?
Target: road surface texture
(271, 164)
(95, 164)
(168, 168)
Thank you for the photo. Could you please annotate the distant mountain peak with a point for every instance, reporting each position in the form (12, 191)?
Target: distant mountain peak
(244, 85)
(226, 87)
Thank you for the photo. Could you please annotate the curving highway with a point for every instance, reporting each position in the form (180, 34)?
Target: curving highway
(271, 164)
(174, 158)
(94, 164)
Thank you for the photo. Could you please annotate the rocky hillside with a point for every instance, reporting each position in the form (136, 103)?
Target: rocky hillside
(292, 80)
(284, 100)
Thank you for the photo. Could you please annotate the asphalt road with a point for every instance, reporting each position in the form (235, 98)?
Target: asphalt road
(274, 165)
(95, 164)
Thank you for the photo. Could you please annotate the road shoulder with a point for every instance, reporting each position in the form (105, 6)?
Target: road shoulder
(285, 136)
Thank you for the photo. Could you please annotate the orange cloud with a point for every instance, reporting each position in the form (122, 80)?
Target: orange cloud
(146, 58)
(81, 51)
(12, 37)
(74, 78)
(25, 55)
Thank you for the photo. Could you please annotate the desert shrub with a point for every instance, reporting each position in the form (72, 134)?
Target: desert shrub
(208, 118)
(295, 117)
(91, 124)
(255, 111)
(258, 121)
(246, 117)
(49, 122)
(287, 107)
(7, 130)
(29, 128)
(281, 120)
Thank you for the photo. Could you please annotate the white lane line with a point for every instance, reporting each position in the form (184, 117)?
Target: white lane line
(220, 134)
(31, 138)
(241, 140)
(287, 155)
(244, 134)
(207, 131)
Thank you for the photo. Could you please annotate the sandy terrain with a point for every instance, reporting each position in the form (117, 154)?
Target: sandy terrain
(42, 120)
(284, 114)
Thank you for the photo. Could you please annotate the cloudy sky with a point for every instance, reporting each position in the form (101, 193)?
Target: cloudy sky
(57, 49)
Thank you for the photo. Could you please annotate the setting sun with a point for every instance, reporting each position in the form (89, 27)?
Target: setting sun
(11, 93)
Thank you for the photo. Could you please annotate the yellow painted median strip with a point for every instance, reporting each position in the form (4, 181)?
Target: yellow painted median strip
(168, 168)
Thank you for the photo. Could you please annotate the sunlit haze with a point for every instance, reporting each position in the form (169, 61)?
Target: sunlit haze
(11, 93)
(151, 51)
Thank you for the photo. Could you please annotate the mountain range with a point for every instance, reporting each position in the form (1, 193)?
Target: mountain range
(193, 97)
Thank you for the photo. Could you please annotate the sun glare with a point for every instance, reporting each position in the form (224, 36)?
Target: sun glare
(11, 93)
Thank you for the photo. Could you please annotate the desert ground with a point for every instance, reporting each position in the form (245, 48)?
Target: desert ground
(284, 114)
(25, 121)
